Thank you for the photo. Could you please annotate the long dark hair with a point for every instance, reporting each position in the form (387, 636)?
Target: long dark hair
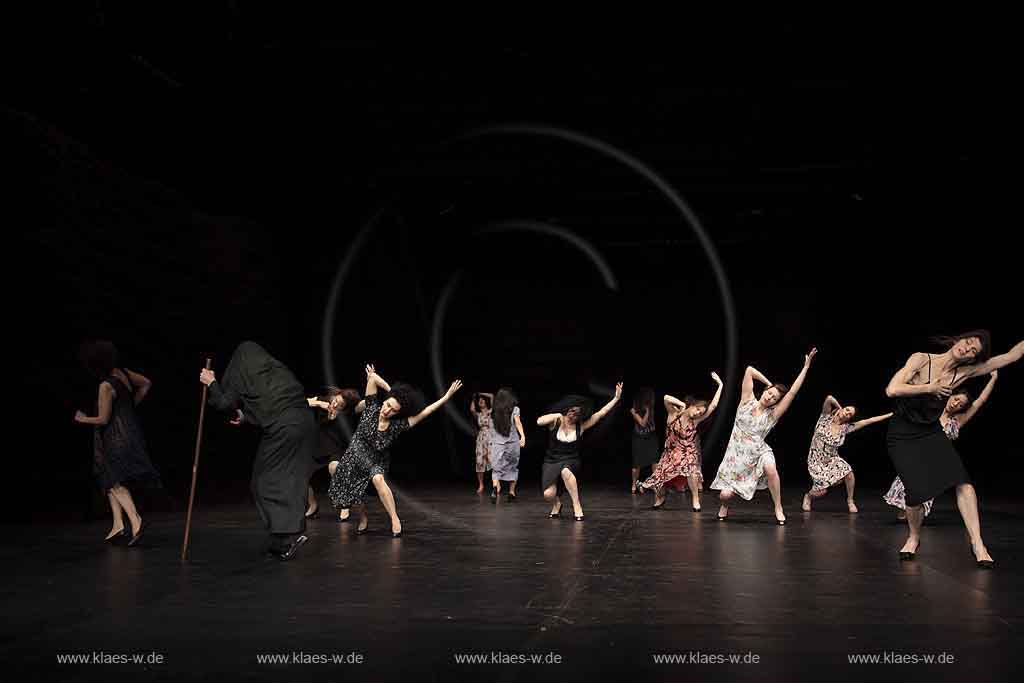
(643, 400)
(501, 413)
(351, 397)
(984, 353)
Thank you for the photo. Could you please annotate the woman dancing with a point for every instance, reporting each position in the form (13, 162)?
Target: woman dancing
(924, 457)
(823, 462)
(645, 435)
(749, 463)
(507, 438)
(480, 406)
(680, 464)
(263, 392)
(367, 460)
(562, 461)
(959, 409)
(330, 402)
(119, 446)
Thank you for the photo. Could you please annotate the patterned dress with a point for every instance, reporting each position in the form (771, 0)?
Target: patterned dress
(680, 459)
(119, 447)
(483, 442)
(366, 456)
(742, 468)
(505, 451)
(897, 494)
(823, 462)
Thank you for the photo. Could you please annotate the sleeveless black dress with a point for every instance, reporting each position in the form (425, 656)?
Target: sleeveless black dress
(645, 447)
(924, 457)
(560, 455)
(119, 447)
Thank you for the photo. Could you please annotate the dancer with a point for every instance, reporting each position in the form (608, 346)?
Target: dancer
(263, 392)
(120, 457)
(480, 406)
(645, 435)
(823, 462)
(959, 409)
(749, 463)
(680, 464)
(562, 461)
(507, 438)
(330, 403)
(924, 457)
(367, 459)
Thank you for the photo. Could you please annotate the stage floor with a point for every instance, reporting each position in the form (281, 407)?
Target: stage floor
(472, 579)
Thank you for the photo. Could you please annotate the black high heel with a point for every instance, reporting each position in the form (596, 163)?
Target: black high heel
(363, 530)
(290, 552)
(579, 518)
(982, 564)
(555, 515)
(315, 515)
(906, 556)
(396, 534)
(138, 535)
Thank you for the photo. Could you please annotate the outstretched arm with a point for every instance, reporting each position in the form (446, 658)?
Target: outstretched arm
(830, 405)
(860, 424)
(980, 401)
(103, 403)
(714, 402)
(599, 415)
(142, 385)
(418, 417)
(752, 373)
(1000, 361)
(782, 406)
(548, 420)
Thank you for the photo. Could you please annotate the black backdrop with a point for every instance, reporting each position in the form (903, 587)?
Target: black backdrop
(178, 200)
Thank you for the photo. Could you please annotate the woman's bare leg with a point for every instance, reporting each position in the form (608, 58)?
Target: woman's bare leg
(388, 499)
(124, 498)
(775, 487)
(479, 482)
(851, 483)
(551, 493)
(694, 482)
(967, 503)
(915, 517)
(634, 476)
(574, 493)
(724, 496)
(116, 512)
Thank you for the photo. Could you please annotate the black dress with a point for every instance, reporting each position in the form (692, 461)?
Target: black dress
(367, 455)
(332, 442)
(646, 450)
(119, 447)
(270, 397)
(560, 455)
(923, 455)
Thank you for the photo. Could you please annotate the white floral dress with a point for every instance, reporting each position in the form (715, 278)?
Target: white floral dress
(742, 468)
(897, 495)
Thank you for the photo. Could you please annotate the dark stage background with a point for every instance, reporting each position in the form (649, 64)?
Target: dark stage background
(179, 198)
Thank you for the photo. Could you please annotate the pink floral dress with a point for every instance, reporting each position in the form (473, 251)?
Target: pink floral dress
(823, 462)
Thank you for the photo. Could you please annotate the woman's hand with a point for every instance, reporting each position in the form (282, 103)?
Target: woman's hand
(522, 442)
(79, 416)
(809, 357)
(370, 371)
(994, 374)
(618, 391)
(207, 376)
(939, 390)
(718, 380)
(456, 385)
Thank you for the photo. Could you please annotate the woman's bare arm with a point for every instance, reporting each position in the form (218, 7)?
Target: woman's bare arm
(861, 424)
(980, 401)
(599, 415)
(782, 406)
(426, 412)
(142, 385)
(104, 403)
(714, 401)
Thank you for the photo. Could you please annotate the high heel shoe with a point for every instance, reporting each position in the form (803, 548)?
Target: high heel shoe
(638, 488)
(907, 556)
(362, 530)
(396, 534)
(138, 534)
(315, 515)
(657, 506)
(982, 564)
(579, 518)
(556, 514)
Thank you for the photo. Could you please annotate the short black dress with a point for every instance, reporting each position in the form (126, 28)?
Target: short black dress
(560, 455)
(922, 454)
(119, 447)
(646, 449)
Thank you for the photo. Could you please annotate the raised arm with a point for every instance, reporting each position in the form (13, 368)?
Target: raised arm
(142, 385)
(104, 402)
(548, 420)
(747, 390)
(900, 386)
(641, 420)
(599, 415)
(980, 401)
(782, 406)
(418, 417)
(830, 405)
(997, 362)
(714, 401)
(374, 381)
(861, 424)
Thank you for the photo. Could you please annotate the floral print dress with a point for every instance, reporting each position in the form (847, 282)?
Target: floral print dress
(823, 462)
(742, 468)
(680, 459)
(483, 441)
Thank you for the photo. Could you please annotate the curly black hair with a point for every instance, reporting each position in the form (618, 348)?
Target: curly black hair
(99, 357)
(410, 399)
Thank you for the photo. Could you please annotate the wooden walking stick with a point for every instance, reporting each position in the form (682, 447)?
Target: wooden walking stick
(195, 468)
